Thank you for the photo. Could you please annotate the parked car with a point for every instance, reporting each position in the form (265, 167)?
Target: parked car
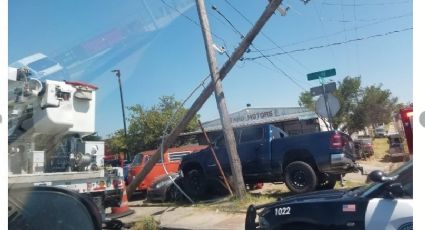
(363, 147)
(380, 132)
(171, 162)
(163, 189)
(396, 149)
(387, 203)
(267, 154)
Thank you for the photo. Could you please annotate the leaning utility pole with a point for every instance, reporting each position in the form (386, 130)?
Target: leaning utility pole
(229, 137)
(236, 55)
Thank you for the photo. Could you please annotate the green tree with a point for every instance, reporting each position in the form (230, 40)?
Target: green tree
(359, 107)
(306, 100)
(377, 105)
(116, 141)
(148, 125)
(348, 93)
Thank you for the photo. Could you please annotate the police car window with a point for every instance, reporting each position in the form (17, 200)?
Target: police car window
(252, 134)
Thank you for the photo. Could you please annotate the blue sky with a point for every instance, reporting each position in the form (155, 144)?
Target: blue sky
(171, 60)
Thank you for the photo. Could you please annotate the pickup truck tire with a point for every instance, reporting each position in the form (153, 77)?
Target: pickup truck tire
(195, 183)
(300, 177)
(326, 181)
(173, 194)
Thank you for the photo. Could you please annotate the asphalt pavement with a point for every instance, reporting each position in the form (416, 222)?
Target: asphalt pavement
(186, 217)
(171, 216)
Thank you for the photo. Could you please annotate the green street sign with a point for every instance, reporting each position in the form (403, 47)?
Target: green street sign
(321, 74)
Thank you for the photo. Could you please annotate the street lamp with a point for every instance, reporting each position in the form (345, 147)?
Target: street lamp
(118, 74)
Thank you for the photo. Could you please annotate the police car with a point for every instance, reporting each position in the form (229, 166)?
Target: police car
(387, 203)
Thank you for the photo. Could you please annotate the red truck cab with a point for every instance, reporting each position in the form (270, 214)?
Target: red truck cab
(171, 161)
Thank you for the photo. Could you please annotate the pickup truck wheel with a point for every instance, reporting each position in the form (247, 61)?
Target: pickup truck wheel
(195, 183)
(173, 194)
(300, 177)
(326, 181)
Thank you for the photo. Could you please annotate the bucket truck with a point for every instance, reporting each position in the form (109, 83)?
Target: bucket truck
(47, 122)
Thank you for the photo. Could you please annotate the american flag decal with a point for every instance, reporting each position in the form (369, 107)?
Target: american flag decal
(349, 208)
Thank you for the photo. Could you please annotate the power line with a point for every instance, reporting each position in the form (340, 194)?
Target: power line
(341, 31)
(191, 20)
(268, 59)
(366, 4)
(328, 45)
(356, 34)
(324, 31)
(265, 35)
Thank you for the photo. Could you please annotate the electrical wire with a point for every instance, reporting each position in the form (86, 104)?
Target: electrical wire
(322, 26)
(366, 4)
(330, 44)
(192, 20)
(341, 31)
(253, 46)
(164, 134)
(265, 35)
(356, 35)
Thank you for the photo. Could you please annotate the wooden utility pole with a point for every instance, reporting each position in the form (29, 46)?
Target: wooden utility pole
(229, 137)
(205, 94)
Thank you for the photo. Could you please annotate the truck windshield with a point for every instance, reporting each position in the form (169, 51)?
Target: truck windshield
(137, 160)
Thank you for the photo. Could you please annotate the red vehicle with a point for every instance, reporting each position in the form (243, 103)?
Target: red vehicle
(171, 162)
(406, 118)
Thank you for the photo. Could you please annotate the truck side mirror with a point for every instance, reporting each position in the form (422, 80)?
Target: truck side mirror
(376, 176)
(379, 176)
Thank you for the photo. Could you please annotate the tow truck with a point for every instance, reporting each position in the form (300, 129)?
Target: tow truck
(47, 123)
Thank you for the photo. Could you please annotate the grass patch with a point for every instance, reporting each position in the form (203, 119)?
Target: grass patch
(349, 184)
(147, 223)
(268, 195)
(380, 148)
(234, 205)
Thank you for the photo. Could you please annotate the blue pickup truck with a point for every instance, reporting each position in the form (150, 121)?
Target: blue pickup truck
(267, 154)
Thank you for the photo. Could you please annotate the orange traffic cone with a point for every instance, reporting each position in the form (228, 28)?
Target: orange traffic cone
(123, 209)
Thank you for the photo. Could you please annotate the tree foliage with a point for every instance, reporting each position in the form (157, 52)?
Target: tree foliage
(306, 100)
(360, 107)
(148, 125)
(378, 105)
(348, 94)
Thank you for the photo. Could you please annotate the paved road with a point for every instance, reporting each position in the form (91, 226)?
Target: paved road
(186, 217)
(189, 217)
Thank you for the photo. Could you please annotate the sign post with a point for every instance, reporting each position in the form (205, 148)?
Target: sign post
(324, 88)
